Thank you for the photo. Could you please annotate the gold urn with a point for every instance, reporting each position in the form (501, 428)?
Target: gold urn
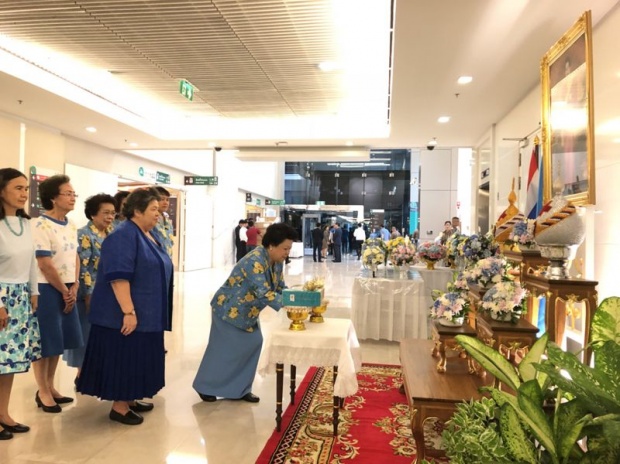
(297, 315)
(317, 312)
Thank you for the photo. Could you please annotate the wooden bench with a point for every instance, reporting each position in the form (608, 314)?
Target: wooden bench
(431, 393)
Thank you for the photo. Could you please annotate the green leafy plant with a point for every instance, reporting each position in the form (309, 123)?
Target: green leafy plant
(554, 410)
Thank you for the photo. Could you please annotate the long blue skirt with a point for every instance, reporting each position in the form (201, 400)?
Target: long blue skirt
(121, 367)
(59, 331)
(229, 364)
(75, 356)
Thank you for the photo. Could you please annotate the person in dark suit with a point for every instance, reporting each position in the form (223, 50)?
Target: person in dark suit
(317, 243)
(337, 243)
(241, 248)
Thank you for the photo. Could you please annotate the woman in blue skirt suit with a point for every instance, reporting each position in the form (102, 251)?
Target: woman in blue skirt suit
(124, 358)
(230, 360)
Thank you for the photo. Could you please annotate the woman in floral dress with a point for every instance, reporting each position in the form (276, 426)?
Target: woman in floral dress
(100, 210)
(19, 331)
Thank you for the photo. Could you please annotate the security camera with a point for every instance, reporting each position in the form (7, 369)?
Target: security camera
(431, 144)
(430, 147)
(218, 148)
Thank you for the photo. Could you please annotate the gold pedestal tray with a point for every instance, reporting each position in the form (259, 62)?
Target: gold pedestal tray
(297, 315)
(317, 312)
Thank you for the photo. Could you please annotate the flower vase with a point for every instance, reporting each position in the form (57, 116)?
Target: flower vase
(373, 267)
(454, 322)
(506, 317)
(403, 269)
(430, 265)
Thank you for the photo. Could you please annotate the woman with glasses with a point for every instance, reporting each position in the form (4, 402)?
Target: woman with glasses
(100, 210)
(19, 330)
(55, 238)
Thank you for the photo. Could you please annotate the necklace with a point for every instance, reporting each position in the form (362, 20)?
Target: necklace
(21, 227)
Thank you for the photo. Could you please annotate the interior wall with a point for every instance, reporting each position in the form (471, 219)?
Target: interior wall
(9, 136)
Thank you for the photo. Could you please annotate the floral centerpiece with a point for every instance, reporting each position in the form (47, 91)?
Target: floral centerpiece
(403, 255)
(393, 243)
(450, 308)
(505, 301)
(459, 283)
(452, 247)
(477, 247)
(488, 271)
(431, 253)
(372, 256)
(522, 234)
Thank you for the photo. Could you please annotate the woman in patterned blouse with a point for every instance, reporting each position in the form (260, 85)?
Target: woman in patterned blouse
(229, 364)
(100, 211)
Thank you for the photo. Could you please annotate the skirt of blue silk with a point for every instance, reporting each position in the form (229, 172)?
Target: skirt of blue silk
(229, 364)
(20, 342)
(121, 367)
(75, 357)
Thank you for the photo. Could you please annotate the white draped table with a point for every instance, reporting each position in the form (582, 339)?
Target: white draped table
(332, 343)
(393, 306)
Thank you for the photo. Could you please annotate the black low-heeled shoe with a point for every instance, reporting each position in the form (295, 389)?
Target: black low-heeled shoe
(250, 398)
(53, 409)
(17, 428)
(5, 435)
(207, 398)
(63, 400)
(130, 418)
(141, 406)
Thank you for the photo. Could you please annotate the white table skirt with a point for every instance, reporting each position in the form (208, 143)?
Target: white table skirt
(433, 280)
(332, 343)
(388, 308)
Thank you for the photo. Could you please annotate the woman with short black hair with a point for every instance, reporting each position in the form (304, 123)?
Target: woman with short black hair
(229, 364)
(119, 200)
(124, 358)
(55, 238)
(100, 210)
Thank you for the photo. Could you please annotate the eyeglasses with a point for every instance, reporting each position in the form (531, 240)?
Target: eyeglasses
(108, 213)
(69, 194)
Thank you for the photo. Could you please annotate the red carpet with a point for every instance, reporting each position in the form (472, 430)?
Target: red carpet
(374, 424)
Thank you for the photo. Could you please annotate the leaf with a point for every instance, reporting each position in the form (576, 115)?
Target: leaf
(526, 367)
(608, 363)
(606, 321)
(532, 416)
(569, 420)
(515, 437)
(494, 363)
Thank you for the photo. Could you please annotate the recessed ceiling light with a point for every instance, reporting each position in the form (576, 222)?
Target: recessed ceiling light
(327, 66)
(349, 144)
(133, 144)
(443, 119)
(211, 144)
(91, 129)
(464, 80)
(616, 140)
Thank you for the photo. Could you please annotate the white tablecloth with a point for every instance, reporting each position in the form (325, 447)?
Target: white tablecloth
(387, 307)
(332, 343)
(436, 279)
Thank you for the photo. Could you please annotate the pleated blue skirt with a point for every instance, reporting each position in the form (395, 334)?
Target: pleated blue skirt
(122, 368)
(229, 364)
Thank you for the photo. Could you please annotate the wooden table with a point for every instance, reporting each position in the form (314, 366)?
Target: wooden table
(332, 343)
(505, 337)
(443, 337)
(433, 394)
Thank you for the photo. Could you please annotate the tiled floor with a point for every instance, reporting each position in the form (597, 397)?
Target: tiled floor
(181, 429)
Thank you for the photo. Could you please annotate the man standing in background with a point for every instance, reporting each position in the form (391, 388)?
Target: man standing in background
(317, 243)
(337, 243)
(253, 235)
(243, 239)
(360, 237)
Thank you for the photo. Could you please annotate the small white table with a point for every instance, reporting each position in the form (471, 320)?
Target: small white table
(387, 307)
(332, 343)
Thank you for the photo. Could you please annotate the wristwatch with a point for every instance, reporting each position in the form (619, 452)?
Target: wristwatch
(130, 313)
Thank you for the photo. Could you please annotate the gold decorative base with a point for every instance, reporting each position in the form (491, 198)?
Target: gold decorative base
(297, 326)
(298, 317)
(316, 318)
(317, 312)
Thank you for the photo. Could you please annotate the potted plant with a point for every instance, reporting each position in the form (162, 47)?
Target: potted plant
(557, 409)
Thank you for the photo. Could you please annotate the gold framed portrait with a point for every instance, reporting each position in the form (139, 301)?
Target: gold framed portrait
(568, 116)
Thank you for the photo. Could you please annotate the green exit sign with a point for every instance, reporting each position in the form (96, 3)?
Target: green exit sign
(186, 89)
(200, 180)
(274, 202)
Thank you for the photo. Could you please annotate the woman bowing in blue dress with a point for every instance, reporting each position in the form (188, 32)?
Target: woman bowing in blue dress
(229, 364)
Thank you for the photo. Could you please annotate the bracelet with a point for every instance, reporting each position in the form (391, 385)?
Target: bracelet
(130, 313)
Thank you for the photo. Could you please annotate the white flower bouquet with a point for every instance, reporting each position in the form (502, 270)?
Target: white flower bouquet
(488, 271)
(505, 301)
(451, 307)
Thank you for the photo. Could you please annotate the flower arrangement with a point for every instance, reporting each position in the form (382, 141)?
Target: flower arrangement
(451, 307)
(505, 301)
(430, 251)
(477, 247)
(403, 254)
(395, 242)
(522, 233)
(488, 271)
(372, 256)
(453, 244)
(459, 283)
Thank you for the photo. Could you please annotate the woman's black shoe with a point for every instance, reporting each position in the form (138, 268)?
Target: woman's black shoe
(250, 398)
(17, 428)
(5, 435)
(53, 409)
(207, 398)
(131, 418)
(63, 400)
(141, 406)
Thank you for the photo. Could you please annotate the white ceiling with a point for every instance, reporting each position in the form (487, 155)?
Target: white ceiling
(257, 59)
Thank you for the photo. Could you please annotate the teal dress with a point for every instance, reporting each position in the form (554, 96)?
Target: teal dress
(229, 364)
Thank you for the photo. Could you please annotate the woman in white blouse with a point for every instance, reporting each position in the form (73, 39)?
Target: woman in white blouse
(19, 332)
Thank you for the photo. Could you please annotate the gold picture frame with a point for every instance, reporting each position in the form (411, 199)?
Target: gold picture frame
(568, 116)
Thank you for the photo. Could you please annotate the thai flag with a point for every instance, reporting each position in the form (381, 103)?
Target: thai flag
(533, 202)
